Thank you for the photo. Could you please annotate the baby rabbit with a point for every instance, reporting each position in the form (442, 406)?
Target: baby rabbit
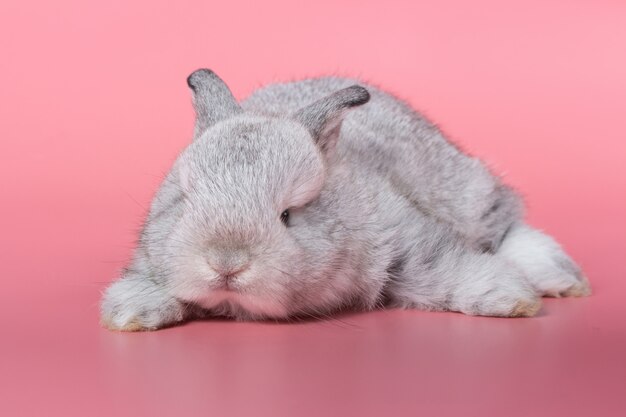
(322, 195)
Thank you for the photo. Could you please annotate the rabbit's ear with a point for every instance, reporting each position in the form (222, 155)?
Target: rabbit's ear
(323, 118)
(212, 100)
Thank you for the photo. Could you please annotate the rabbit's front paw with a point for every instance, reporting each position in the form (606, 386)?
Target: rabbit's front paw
(137, 304)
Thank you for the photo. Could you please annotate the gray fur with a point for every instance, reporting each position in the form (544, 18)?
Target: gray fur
(383, 209)
(212, 99)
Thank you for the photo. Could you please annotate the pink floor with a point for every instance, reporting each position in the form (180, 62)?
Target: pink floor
(94, 108)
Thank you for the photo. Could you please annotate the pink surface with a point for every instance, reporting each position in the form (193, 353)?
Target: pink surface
(94, 109)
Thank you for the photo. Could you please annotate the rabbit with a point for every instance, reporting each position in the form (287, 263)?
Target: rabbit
(325, 195)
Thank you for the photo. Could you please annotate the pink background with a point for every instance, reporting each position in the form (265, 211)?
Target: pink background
(94, 109)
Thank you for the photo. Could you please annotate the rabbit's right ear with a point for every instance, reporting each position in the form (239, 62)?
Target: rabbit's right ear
(212, 100)
(323, 118)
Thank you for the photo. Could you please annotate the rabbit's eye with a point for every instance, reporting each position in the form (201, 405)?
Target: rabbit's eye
(284, 217)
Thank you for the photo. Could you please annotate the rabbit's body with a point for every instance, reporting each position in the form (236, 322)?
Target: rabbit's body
(389, 140)
(385, 211)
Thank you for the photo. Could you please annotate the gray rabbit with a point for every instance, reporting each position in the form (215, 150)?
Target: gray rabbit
(322, 195)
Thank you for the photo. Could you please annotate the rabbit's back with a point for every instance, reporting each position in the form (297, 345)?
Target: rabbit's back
(384, 120)
(386, 135)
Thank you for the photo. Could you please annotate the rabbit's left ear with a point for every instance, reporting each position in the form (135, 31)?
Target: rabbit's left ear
(323, 118)
(212, 100)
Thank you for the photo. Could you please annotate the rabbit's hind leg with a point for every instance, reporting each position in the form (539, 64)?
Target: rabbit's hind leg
(464, 280)
(548, 268)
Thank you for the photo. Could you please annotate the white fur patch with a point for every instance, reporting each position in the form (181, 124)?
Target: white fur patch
(547, 266)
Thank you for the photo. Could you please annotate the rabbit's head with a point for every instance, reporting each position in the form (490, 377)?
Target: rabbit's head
(247, 242)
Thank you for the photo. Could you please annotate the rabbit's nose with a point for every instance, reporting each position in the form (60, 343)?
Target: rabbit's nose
(227, 270)
(229, 263)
